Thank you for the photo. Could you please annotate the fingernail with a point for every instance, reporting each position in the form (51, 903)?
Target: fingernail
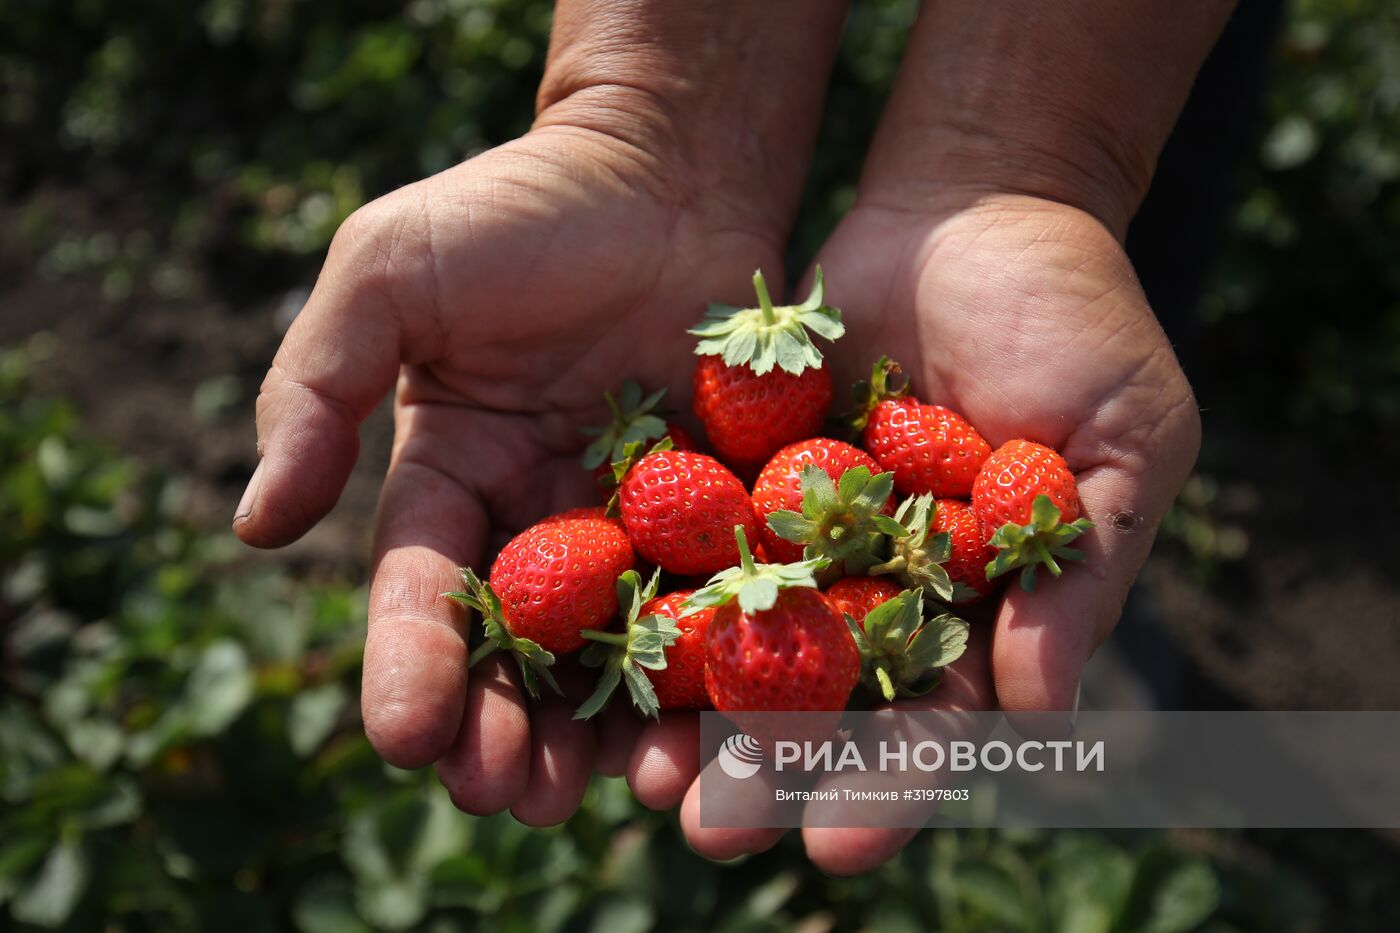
(1074, 713)
(250, 495)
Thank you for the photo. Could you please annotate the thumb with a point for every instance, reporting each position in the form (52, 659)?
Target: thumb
(1044, 638)
(338, 360)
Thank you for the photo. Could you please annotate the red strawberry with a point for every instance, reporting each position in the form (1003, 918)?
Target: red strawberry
(858, 596)
(1027, 503)
(969, 556)
(549, 583)
(634, 419)
(795, 655)
(747, 417)
(681, 684)
(680, 509)
(589, 511)
(658, 655)
(929, 448)
(779, 646)
(779, 485)
(750, 408)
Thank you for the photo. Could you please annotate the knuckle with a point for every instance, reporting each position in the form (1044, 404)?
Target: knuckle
(379, 241)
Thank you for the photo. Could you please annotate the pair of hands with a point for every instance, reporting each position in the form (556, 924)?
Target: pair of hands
(504, 296)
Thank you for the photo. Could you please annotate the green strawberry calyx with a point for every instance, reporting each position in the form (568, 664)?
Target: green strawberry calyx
(755, 586)
(635, 419)
(770, 335)
(844, 521)
(1037, 543)
(534, 661)
(901, 654)
(886, 383)
(631, 455)
(623, 655)
(917, 552)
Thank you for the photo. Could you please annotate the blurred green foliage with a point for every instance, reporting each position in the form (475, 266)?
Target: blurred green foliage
(1302, 320)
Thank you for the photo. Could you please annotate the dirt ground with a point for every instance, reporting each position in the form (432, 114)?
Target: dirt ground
(1307, 619)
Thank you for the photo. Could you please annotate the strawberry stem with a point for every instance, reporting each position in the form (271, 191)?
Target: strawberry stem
(765, 302)
(1044, 554)
(745, 558)
(608, 638)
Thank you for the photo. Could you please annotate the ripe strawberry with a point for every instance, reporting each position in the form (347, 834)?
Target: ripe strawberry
(779, 485)
(680, 509)
(589, 511)
(775, 643)
(747, 417)
(663, 664)
(549, 583)
(681, 683)
(749, 408)
(634, 419)
(858, 596)
(969, 553)
(929, 448)
(1026, 501)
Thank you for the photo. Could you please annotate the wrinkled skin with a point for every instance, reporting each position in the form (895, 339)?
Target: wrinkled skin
(505, 295)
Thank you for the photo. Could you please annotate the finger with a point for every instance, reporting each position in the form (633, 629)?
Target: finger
(337, 361)
(561, 760)
(853, 850)
(665, 760)
(617, 730)
(718, 842)
(488, 765)
(415, 665)
(1044, 638)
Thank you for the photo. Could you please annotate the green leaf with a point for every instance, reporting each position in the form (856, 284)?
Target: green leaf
(755, 586)
(642, 645)
(768, 335)
(327, 905)
(1036, 544)
(533, 661)
(634, 421)
(642, 693)
(607, 683)
(1044, 515)
(312, 715)
(218, 689)
(1172, 893)
(49, 899)
(120, 803)
(96, 741)
(994, 894)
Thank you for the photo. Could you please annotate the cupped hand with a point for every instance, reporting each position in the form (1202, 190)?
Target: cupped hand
(502, 297)
(1024, 315)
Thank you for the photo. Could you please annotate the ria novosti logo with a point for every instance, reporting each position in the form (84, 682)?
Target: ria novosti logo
(740, 756)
